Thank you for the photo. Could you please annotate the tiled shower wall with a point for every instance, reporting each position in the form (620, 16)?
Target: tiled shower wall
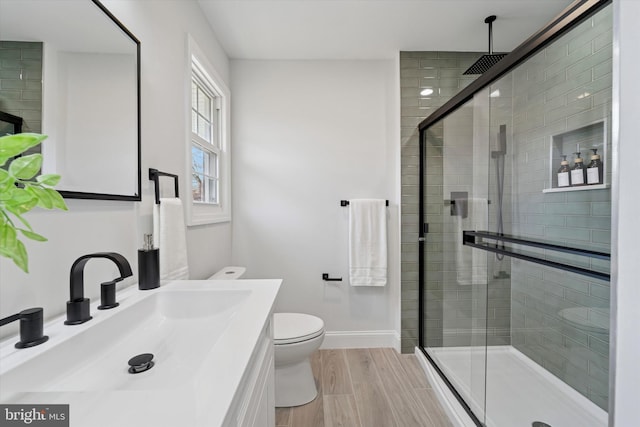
(560, 320)
(21, 82)
(441, 71)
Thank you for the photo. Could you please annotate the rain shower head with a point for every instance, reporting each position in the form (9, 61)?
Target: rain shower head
(486, 61)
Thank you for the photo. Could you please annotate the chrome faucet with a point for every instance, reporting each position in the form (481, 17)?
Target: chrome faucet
(78, 305)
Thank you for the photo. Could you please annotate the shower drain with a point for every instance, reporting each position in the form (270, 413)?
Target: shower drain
(539, 424)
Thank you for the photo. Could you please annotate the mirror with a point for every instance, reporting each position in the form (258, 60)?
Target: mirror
(71, 71)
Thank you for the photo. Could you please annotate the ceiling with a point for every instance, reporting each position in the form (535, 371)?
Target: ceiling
(370, 29)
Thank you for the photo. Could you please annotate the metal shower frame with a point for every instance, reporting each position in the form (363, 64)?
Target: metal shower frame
(573, 15)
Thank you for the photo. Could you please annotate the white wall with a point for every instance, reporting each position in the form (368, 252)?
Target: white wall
(92, 226)
(306, 135)
(626, 234)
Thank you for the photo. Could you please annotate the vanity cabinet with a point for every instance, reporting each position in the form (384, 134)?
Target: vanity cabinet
(254, 402)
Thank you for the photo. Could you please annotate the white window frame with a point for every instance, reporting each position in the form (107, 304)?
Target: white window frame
(199, 213)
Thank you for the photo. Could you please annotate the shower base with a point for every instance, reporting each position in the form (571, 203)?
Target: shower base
(518, 390)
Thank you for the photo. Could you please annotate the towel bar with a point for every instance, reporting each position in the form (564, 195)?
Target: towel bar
(344, 203)
(154, 175)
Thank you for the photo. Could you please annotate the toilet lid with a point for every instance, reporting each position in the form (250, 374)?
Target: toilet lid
(289, 328)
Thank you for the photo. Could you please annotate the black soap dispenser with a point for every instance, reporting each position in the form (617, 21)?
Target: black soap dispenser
(564, 173)
(148, 265)
(594, 170)
(578, 172)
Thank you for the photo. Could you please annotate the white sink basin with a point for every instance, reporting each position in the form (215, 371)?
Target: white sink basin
(201, 333)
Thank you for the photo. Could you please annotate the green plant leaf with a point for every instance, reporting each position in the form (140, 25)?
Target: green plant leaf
(44, 200)
(7, 237)
(5, 188)
(6, 183)
(18, 215)
(20, 257)
(12, 145)
(17, 195)
(19, 209)
(26, 167)
(49, 179)
(4, 176)
(56, 199)
(33, 236)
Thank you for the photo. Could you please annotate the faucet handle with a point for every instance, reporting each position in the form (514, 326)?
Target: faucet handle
(31, 327)
(108, 295)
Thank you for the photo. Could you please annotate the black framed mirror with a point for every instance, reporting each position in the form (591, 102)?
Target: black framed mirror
(75, 76)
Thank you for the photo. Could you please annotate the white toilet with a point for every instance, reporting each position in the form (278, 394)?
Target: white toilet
(296, 336)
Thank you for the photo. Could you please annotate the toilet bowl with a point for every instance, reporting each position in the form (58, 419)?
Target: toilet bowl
(296, 336)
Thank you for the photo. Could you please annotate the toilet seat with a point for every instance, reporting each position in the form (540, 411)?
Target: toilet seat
(290, 328)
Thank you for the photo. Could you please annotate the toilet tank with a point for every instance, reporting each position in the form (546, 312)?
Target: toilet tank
(229, 273)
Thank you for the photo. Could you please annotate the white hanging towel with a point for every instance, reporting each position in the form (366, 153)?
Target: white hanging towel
(170, 236)
(367, 242)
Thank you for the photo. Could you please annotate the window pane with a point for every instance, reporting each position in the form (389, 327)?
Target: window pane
(197, 160)
(212, 190)
(204, 129)
(194, 95)
(194, 121)
(204, 104)
(197, 188)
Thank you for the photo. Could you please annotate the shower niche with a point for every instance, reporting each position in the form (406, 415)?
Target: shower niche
(581, 140)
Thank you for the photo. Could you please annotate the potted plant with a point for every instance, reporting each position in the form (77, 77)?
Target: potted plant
(22, 189)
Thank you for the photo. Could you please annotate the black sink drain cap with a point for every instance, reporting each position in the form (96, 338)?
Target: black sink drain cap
(140, 363)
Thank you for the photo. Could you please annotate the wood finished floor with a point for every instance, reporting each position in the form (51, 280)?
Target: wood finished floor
(367, 388)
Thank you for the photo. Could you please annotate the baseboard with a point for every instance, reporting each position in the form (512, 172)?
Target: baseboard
(360, 339)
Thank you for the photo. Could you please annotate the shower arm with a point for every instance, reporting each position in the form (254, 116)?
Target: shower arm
(489, 20)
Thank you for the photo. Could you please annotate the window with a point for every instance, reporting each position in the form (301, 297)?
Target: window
(208, 142)
(205, 149)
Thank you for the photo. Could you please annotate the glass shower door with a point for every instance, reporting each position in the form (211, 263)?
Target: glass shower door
(455, 277)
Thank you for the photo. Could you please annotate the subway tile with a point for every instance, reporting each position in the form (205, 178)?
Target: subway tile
(439, 63)
(31, 95)
(601, 209)
(10, 54)
(412, 82)
(603, 41)
(11, 73)
(572, 233)
(585, 118)
(11, 94)
(555, 52)
(417, 54)
(601, 236)
(10, 63)
(12, 84)
(409, 63)
(31, 54)
(598, 346)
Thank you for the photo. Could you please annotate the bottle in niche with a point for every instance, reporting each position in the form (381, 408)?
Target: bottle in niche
(578, 172)
(594, 170)
(148, 265)
(564, 173)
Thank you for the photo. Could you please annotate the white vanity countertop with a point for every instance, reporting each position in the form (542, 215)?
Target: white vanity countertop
(201, 332)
